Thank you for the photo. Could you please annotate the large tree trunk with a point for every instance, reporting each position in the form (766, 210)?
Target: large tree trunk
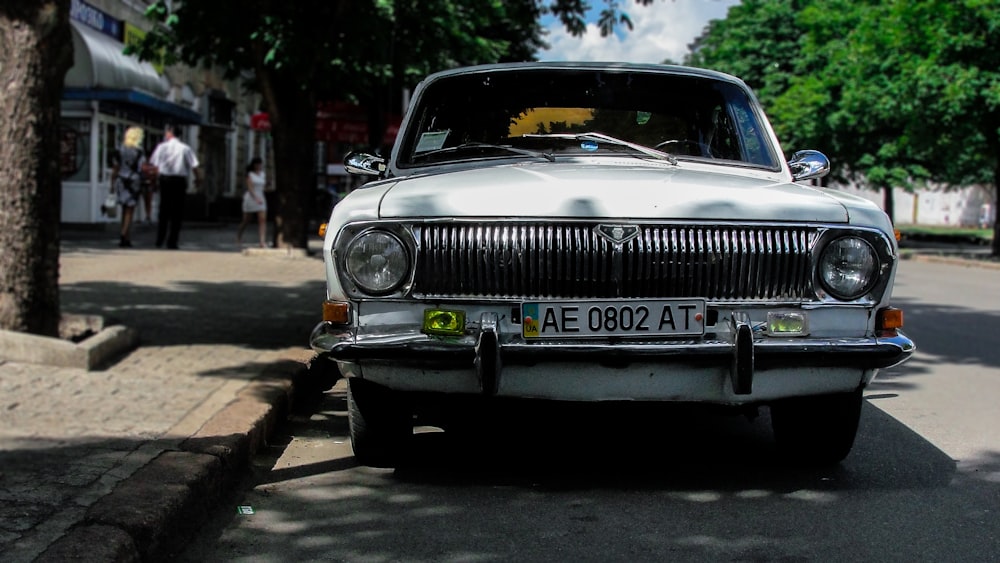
(995, 248)
(36, 50)
(292, 112)
(889, 202)
(375, 107)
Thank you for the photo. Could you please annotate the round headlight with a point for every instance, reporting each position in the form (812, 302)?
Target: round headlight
(848, 268)
(377, 262)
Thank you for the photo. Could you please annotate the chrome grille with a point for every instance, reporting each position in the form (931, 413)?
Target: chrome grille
(571, 260)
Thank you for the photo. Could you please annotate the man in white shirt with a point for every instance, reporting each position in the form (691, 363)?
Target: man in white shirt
(174, 161)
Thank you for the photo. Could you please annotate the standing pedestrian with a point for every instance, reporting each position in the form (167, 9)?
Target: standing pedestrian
(126, 179)
(174, 161)
(254, 202)
(148, 184)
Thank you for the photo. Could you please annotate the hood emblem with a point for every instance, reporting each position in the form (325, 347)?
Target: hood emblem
(618, 234)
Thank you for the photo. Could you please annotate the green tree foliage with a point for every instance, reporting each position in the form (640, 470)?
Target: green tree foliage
(898, 92)
(758, 41)
(841, 98)
(949, 61)
(303, 51)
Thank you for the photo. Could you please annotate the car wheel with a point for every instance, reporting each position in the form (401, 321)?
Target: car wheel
(816, 430)
(380, 423)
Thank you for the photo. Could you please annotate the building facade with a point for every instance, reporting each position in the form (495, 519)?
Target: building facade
(107, 91)
(970, 206)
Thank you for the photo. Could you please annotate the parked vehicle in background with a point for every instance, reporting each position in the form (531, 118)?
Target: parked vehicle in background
(604, 232)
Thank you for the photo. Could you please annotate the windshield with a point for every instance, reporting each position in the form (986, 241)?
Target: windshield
(565, 112)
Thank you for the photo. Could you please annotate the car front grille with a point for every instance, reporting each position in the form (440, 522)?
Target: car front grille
(573, 260)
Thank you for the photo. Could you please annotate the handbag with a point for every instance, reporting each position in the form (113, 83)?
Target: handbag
(110, 207)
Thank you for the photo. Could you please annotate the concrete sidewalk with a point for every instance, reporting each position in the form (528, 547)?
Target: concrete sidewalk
(123, 462)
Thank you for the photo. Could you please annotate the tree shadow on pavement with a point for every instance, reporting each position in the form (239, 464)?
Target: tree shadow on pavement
(588, 484)
(254, 315)
(973, 332)
(679, 447)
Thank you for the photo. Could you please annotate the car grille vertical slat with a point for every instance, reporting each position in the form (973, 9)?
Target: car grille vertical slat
(572, 260)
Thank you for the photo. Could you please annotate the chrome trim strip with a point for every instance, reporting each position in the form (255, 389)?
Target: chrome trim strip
(342, 344)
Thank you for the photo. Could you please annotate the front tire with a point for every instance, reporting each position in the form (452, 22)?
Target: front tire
(381, 424)
(816, 431)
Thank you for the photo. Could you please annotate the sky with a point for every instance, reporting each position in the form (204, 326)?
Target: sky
(662, 30)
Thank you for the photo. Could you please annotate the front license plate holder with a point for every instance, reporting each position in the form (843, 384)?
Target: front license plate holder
(622, 318)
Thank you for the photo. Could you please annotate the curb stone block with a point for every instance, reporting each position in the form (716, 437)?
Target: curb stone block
(105, 342)
(236, 433)
(162, 504)
(92, 543)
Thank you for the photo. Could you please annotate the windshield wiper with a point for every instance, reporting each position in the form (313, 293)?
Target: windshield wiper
(602, 138)
(508, 148)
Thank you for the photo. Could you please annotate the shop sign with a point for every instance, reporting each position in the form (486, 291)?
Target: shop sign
(95, 18)
(133, 37)
(342, 122)
(260, 122)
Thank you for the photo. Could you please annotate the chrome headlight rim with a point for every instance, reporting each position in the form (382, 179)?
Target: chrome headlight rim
(873, 276)
(364, 285)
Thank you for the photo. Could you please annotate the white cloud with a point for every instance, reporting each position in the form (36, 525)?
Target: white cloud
(662, 30)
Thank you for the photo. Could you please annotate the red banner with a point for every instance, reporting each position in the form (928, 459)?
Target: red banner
(338, 122)
(260, 122)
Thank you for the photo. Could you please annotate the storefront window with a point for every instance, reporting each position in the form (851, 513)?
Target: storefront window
(110, 141)
(74, 150)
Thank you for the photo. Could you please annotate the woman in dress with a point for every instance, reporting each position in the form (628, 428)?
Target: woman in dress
(126, 179)
(254, 202)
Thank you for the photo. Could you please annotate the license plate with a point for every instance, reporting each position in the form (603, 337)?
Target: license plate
(579, 319)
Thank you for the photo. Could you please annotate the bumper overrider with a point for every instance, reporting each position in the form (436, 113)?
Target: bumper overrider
(739, 350)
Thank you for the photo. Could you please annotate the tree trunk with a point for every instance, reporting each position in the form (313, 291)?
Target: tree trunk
(889, 203)
(36, 50)
(995, 247)
(375, 110)
(293, 128)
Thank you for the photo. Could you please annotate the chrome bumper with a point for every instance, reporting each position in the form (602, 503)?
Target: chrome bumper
(488, 351)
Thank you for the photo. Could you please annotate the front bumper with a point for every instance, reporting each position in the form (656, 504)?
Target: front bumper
(741, 352)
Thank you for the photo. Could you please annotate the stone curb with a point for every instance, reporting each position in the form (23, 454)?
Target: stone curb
(109, 341)
(276, 252)
(953, 260)
(153, 514)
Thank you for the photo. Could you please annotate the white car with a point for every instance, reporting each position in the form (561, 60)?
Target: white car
(604, 232)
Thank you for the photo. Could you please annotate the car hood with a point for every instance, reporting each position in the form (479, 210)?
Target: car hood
(610, 191)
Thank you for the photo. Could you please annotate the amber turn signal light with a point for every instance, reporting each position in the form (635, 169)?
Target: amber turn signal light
(337, 312)
(888, 320)
(322, 229)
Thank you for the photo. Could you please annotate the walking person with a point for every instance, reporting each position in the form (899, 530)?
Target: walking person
(175, 162)
(148, 184)
(254, 202)
(126, 179)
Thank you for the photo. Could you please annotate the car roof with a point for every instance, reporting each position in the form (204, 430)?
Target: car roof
(588, 65)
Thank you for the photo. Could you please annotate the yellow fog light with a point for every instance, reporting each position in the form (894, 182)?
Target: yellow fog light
(444, 322)
(787, 324)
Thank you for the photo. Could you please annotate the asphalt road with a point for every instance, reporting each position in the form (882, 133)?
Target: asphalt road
(922, 483)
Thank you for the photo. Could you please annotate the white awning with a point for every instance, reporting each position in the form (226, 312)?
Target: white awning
(98, 62)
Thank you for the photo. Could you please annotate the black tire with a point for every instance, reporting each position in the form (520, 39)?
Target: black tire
(816, 431)
(381, 424)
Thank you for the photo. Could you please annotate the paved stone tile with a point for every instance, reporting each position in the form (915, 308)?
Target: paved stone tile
(209, 318)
